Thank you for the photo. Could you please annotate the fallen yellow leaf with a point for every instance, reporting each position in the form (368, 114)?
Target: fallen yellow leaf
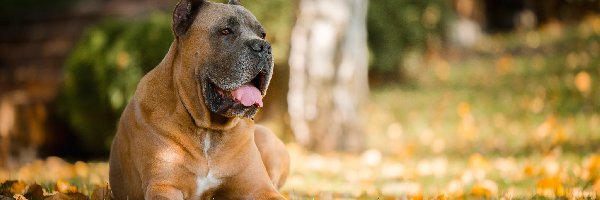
(551, 185)
(596, 186)
(485, 188)
(464, 109)
(418, 196)
(592, 165)
(440, 197)
(480, 191)
(65, 187)
(583, 82)
(529, 170)
(18, 187)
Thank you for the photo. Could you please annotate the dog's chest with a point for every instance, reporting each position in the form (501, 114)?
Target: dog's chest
(206, 183)
(209, 141)
(209, 181)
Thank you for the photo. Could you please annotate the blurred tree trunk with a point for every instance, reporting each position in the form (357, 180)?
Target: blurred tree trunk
(328, 74)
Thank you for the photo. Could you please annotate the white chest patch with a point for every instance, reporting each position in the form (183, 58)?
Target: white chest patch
(206, 144)
(205, 183)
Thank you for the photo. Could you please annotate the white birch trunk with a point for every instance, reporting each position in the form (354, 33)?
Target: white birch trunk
(328, 74)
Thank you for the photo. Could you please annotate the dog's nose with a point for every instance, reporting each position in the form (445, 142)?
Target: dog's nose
(260, 46)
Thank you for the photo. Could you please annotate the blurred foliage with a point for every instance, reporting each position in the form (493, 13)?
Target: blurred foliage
(395, 27)
(559, 65)
(102, 72)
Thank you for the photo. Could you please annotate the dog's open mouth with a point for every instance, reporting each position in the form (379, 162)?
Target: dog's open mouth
(240, 101)
(249, 94)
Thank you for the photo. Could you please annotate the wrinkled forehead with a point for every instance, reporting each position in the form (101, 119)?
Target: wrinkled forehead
(226, 16)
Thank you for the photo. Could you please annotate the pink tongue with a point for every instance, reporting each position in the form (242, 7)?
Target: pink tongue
(248, 95)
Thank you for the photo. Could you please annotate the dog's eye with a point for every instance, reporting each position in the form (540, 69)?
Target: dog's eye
(226, 31)
(263, 35)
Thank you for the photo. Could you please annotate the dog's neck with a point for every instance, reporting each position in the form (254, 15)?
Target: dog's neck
(220, 120)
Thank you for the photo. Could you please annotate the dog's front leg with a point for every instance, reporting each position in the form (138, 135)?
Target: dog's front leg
(162, 192)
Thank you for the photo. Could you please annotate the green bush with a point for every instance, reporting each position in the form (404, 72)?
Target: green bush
(398, 26)
(103, 70)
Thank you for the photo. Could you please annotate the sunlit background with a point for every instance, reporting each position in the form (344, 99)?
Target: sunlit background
(382, 99)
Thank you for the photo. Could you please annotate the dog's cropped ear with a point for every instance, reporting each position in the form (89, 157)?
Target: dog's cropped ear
(234, 2)
(184, 14)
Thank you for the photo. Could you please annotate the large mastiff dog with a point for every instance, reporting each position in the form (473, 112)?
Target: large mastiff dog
(188, 132)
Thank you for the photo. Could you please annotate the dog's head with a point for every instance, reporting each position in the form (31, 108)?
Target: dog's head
(223, 46)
